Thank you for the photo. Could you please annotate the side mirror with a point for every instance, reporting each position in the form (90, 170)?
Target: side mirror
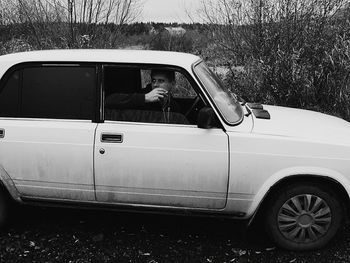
(207, 119)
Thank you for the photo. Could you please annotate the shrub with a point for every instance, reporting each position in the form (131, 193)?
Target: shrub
(294, 53)
(14, 45)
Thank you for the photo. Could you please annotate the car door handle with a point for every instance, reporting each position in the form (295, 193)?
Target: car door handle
(112, 137)
(2, 133)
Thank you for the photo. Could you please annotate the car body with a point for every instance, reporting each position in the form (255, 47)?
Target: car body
(60, 145)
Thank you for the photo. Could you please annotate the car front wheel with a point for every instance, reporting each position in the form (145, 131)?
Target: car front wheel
(303, 217)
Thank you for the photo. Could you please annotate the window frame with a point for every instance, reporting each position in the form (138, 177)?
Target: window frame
(149, 66)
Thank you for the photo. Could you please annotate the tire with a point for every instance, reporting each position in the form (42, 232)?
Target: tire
(303, 216)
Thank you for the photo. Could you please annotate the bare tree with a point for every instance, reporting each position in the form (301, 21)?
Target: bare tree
(69, 20)
(86, 13)
(105, 11)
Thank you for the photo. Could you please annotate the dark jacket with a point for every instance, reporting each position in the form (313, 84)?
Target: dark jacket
(127, 100)
(132, 107)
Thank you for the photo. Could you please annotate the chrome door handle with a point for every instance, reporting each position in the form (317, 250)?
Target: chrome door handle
(2, 133)
(112, 137)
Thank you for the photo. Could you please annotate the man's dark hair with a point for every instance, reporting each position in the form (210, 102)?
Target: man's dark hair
(169, 74)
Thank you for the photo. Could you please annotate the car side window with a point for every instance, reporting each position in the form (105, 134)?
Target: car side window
(151, 95)
(58, 92)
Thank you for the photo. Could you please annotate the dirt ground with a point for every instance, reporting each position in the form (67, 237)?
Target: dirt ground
(66, 235)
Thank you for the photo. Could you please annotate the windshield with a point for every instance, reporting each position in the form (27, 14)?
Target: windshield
(223, 98)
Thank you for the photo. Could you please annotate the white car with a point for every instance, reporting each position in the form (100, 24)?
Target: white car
(62, 141)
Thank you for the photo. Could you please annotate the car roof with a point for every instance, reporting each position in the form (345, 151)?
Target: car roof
(103, 55)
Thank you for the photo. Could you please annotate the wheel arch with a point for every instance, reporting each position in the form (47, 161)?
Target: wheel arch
(7, 185)
(338, 183)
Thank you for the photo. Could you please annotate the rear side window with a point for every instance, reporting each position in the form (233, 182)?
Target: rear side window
(58, 92)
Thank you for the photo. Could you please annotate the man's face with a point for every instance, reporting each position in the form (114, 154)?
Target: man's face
(161, 81)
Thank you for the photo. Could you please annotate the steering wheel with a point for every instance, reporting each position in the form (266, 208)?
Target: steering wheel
(194, 104)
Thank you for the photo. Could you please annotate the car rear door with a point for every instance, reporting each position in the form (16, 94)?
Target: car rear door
(47, 133)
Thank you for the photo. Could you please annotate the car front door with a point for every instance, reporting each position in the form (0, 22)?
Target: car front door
(161, 165)
(150, 157)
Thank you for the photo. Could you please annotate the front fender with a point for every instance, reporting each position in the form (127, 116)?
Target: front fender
(295, 171)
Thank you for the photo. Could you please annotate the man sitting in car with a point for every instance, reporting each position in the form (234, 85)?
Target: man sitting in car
(154, 104)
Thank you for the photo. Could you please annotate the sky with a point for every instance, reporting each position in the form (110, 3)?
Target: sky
(170, 11)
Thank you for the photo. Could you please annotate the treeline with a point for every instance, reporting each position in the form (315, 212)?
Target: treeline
(145, 28)
(50, 35)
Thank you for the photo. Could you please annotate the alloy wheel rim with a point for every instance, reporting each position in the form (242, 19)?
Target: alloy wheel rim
(304, 218)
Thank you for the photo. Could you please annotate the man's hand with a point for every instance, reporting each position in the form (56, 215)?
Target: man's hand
(156, 94)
